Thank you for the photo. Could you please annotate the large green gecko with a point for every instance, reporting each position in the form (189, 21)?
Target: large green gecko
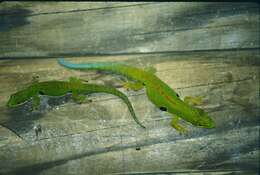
(75, 86)
(158, 92)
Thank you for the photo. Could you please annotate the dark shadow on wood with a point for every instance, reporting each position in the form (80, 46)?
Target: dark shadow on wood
(21, 119)
(9, 21)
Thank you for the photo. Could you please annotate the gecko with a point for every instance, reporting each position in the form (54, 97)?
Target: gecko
(158, 92)
(75, 86)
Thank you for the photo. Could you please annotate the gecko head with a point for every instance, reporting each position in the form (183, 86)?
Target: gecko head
(202, 119)
(17, 99)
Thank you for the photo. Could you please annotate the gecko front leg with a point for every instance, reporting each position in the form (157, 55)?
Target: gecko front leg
(193, 100)
(136, 86)
(36, 102)
(177, 126)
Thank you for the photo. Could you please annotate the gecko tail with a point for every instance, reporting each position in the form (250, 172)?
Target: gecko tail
(102, 66)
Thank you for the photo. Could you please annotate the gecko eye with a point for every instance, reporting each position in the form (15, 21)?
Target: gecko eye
(163, 108)
(177, 95)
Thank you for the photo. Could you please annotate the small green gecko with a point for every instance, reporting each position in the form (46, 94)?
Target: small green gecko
(157, 91)
(75, 86)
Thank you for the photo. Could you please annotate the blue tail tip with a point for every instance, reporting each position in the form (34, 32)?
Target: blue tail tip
(60, 60)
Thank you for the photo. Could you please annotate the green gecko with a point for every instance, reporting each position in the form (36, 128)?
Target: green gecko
(158, 92)
(75, 86)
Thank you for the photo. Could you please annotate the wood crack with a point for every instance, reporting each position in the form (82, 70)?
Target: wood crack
(103, 54)
(77, 11)
(192, 28)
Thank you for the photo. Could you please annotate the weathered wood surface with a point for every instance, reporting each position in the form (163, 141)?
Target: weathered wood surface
(199, 49)
(101, 137)
(49, 29)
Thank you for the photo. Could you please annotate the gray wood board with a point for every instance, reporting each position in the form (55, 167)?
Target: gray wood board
(49, 29)
(101, 137)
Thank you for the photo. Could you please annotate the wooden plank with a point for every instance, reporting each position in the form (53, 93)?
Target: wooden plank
(140, 28)
(98, 138)
(117, 153)
(130, 161)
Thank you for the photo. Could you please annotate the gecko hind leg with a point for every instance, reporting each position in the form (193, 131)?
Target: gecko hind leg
(193, 100)
(136, 86)
(79, 98)
(177, 126)
(36, 102)
(75, 80)
(150, 69)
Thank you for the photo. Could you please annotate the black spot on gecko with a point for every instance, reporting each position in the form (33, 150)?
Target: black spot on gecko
(163, 108)
(41, 93)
